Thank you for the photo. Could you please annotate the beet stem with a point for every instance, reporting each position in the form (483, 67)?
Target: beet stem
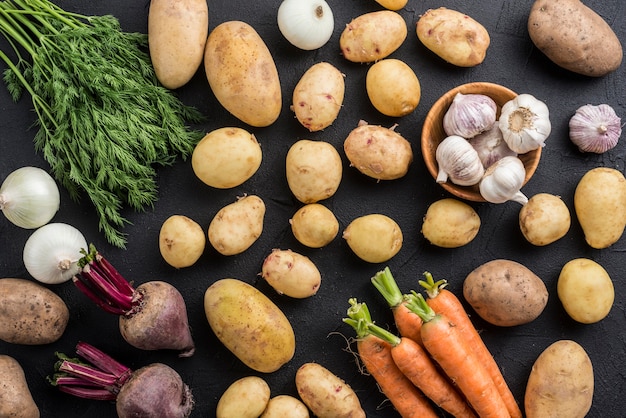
(89, 393)
(103, 304)
(88, 373)
(102, 360)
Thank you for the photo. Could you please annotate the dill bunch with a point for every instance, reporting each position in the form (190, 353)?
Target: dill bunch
(104, 121)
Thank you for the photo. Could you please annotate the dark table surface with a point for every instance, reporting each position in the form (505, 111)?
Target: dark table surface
(512, 61)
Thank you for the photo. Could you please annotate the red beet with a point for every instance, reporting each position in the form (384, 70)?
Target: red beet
(152, 317)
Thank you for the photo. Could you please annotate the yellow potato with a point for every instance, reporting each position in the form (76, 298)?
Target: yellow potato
(392, 4)
(544, 219)
(586, 291)
(244, 398)
(318, 96)
(181, 241)
(291, 273)
(16, 400)
(313, 169)
(561, 382)
(242, 73)
(285, 406)
(314, 225)
(177, 35)
(326, 394)
(450, 223)
(505, 293)
(237, 226)
(574, 37)
(249, 324)
(453, 36)
(600, 205)
(226, 157)
(392, 87)
(374, 238)
(373, 36)
(31, 313)
(378, 152)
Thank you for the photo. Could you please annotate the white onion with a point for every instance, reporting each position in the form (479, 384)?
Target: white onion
(29, 197)
(52, 252)
(306, 24)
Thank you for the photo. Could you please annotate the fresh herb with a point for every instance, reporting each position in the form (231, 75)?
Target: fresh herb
(103, 119)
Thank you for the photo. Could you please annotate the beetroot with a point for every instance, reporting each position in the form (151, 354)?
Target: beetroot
(151, 317)
(155, 390)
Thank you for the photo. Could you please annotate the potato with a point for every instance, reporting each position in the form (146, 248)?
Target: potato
(600, 205)
(249, 324)
(453, 36)
(314, 225)
(505, 293)
(392, 4)
(242, 73)
(31, 313)
(574, 37)
(237, 226)
(378, 152)
(314, 170)
(285, 406)
(561, 382)
(318, 96)
(326, 394)
(16, 399)
(586, 291)
(544, 219)
(291, 274)
(450, 223)
(373, 36)
(392, 87)
(226, 157)
(244, 398)
(374, 238)
(177, 35)
(181, 241)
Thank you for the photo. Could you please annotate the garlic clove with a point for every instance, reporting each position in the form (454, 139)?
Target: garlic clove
(525, 123)
(458, 162)
(491, 146)
(503, 180)
(595, 129)
(469, 115)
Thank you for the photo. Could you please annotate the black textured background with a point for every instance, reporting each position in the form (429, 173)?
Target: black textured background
(321, 336)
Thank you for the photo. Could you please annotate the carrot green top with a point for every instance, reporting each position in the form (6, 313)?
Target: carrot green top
(431, 286)
(416, 303)
(361, 321)
(387, 286)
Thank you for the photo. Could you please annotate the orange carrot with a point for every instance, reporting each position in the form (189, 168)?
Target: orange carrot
(407, 322)
(450, 350)
(416, 364)
(445, 302)
(375, 354)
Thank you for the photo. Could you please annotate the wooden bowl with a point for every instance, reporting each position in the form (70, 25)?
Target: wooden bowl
(433, 134)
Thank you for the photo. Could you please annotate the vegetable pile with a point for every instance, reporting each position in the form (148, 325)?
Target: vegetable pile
(104, 120)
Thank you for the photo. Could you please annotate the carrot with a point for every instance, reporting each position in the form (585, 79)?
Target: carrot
(407, 322)
(375, 354)
(445, 302)
(450, 350)
(416, 364)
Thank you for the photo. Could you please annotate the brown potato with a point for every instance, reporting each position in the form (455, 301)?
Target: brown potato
(373, 36)
(505, 293)
(378, 152)
(177, 35)
(450, 223)
(561, 382)
(16, 400)
(453, 36)
(31, 313)
(318, 96)
(574, 37)
(392, 87)
(242, 73)
(544, 219)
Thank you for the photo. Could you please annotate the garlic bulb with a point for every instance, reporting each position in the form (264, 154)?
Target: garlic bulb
(490, 146)
(503, 180)
(469, 115)
(52, 252)
(458, 161)
(525, 123)
(595, 128)
(306, 24)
